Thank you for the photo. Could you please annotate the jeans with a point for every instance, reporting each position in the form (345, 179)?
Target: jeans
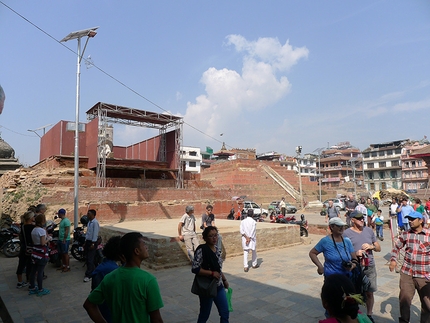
(221, 303)
(379, 231)
(38, 268)
(90, 257)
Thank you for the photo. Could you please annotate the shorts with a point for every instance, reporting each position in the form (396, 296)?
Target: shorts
(63, 247)
(370, 272)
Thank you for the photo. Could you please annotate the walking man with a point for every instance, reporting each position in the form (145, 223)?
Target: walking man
(91, 242)
(332, 211)
(132, 294)
(187, 231)
(64, 240)
(415, 273)
(248, 230)
(364, 242)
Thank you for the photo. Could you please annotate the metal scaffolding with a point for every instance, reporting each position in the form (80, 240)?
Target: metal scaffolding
(133, 117)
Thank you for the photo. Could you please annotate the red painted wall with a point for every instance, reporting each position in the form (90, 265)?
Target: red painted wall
(59, 141)
(91, 142)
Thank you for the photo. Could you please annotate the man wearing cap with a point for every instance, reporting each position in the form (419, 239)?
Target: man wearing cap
(350, 205)
(405, 209)
(415, 271)
(64, 240)
(364, 242)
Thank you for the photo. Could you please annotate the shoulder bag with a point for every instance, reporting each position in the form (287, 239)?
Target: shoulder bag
(204, 286)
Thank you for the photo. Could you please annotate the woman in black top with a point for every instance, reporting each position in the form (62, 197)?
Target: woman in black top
(25, 259)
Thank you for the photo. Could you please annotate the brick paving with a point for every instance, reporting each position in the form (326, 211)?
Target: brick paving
(286, 288)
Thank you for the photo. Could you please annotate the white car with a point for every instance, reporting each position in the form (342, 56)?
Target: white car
(257, 209)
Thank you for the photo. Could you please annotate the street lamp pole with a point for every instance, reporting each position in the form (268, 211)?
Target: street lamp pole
(89, 33)
(299, 151)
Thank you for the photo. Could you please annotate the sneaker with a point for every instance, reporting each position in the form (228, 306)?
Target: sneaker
(371, 318)
(87, 279)
(246, 269)
(32, 291)
(256, 266)
(21, 284)
(43, 291)
(381, 238)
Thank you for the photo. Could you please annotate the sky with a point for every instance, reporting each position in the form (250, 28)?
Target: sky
(267, 75)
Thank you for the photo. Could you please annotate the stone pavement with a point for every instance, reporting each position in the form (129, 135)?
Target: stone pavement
(286, 288)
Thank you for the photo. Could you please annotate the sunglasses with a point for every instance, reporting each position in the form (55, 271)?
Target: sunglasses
(359, 219)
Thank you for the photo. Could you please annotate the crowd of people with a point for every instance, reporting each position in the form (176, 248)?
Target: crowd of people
(349, 247)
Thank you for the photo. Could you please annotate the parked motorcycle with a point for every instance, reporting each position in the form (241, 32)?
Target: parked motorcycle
(10, 244)
(54, 255)
(303, 225)
(279, 218)
(78, 246)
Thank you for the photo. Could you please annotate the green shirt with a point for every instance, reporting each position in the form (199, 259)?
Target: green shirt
(63, 225)
(131, 294)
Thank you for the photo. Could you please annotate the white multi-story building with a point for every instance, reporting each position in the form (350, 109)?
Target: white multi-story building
(382, 166)
(191, 158)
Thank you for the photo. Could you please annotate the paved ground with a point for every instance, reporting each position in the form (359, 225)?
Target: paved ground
(286, 288)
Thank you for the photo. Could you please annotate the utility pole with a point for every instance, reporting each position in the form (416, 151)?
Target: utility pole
(299, 151)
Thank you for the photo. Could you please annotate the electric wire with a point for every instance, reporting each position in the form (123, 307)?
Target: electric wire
(107, 74)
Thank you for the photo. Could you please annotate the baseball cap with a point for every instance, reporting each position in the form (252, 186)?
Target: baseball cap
(61, 211)
(356, 214)
(336, 221)
(414, 215)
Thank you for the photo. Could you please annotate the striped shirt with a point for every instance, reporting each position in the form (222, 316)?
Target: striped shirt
(417, 253)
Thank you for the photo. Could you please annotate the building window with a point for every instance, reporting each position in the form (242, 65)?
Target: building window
(381, 174)
(406, 164)
(395, 163)
(393, 174)
(370, 165)
(382, 164)
(381, 154)
(419, 163)
(193, 153)
(192, 164)
(374, 153)
(366, 155)
(371, 186)
(394, 185)
(383, 186)
(389, 152)
(398, 151)
(370, 175)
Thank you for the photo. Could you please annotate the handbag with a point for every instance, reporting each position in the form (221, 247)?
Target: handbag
(204, 286)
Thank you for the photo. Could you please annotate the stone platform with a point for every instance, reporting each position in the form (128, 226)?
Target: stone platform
(166, 250)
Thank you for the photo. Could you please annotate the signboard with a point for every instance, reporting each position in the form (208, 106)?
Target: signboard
(331, 179)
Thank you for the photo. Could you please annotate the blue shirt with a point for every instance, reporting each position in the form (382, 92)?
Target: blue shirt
(406, 210)
(333, 258)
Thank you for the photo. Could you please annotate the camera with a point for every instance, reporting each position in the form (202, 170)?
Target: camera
(346, 264)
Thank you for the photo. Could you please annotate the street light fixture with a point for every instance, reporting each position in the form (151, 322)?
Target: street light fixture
(299, 151)
(89, 33)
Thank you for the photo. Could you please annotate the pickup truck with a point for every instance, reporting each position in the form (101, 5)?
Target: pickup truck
(257, 208)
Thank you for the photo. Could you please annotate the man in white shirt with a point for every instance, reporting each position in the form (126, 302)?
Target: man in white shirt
(248, 230)
(187, 231)
(282, 206)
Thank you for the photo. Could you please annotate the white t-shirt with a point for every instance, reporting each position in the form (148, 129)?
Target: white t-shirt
(36, 235)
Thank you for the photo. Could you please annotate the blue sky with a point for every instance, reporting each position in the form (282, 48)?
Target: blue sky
(268, 75)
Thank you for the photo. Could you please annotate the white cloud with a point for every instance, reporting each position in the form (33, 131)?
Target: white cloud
(230, 94)
(178, 95)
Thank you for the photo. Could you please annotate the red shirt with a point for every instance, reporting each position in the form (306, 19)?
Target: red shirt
(417, 253)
